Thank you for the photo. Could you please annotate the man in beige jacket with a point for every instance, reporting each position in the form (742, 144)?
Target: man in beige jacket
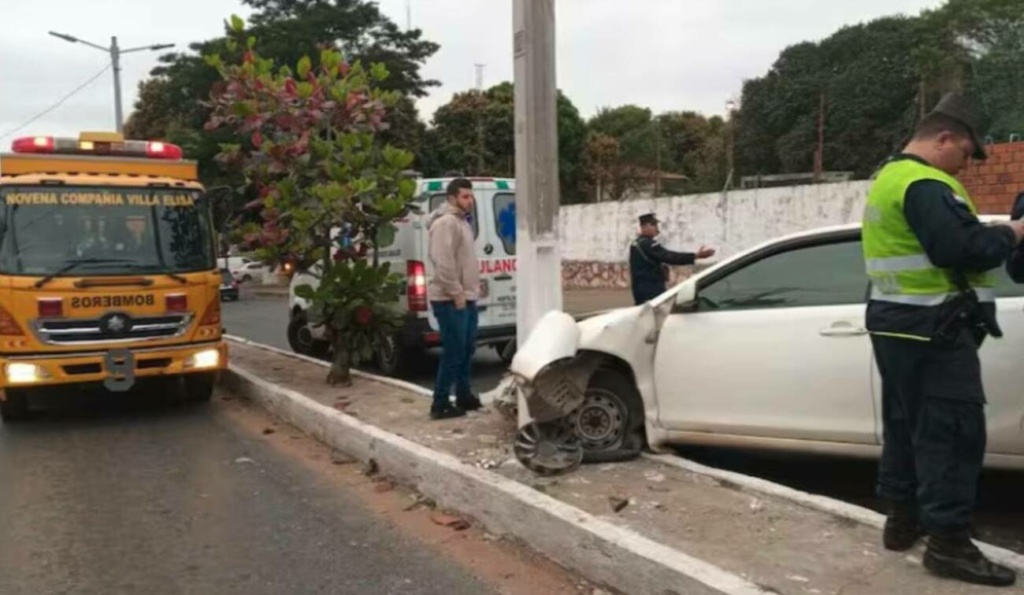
(453, 291)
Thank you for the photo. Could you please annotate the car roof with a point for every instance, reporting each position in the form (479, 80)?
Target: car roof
(815, 232)
(836, 229)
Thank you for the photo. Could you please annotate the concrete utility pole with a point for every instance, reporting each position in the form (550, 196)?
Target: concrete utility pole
(539, 282)
(115, 60)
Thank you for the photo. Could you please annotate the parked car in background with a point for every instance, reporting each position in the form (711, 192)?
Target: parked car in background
(228, 286)
(766, 349)
(248, 271)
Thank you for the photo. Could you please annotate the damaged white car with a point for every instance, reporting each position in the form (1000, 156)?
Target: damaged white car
(766, 349)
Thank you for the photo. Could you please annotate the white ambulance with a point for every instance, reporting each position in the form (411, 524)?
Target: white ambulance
(494, 226)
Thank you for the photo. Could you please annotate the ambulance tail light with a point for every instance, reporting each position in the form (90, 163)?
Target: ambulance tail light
(8, 325)
(212, 314)
(417, 286)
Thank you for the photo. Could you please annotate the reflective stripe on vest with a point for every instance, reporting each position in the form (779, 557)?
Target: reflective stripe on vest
(928, 299)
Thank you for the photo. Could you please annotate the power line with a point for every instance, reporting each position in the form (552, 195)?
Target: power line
(58, 104)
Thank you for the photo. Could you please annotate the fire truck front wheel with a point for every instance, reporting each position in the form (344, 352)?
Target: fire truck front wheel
(15, 407)
(199, 386)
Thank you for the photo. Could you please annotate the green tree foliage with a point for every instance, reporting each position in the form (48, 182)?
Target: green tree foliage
(169, 104)
(474, 133)
(877, 78)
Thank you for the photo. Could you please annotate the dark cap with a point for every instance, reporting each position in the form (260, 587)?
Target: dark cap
(963, 110)
(648, 219)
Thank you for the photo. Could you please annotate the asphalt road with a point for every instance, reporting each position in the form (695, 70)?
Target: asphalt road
(103, 494)
(1000, 517)
(265, 320)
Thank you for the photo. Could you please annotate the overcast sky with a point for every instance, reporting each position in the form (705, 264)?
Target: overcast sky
(663, 54)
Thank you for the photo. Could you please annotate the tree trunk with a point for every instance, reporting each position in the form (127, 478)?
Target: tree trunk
(341, 368)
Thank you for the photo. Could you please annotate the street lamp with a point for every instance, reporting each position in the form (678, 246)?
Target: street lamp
(115, 61)
(730, 110)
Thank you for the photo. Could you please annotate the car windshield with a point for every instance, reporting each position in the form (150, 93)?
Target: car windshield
(103, 231)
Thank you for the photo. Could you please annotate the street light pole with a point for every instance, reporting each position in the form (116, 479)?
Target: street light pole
(115, 52)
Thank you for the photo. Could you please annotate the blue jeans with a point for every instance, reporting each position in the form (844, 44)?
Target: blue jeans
(458, 344)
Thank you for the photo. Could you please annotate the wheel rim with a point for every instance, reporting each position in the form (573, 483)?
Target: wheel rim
(600, 421)
(548, 448)
(304, 337)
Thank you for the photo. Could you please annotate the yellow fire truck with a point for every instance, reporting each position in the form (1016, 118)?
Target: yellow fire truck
(108, 269)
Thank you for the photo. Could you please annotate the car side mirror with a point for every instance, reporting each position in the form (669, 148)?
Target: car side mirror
(686, 298)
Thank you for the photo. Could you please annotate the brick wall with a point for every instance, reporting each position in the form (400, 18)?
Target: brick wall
(994, 183)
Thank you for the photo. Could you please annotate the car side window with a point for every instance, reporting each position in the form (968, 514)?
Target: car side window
(436, 200)
(817, 275)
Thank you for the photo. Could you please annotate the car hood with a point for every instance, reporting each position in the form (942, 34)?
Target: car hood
(553, 366)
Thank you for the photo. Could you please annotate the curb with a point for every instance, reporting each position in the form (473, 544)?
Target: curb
(825, 504)
(831, 506)
(602, 552)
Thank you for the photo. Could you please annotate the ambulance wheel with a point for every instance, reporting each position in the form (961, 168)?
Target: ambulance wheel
(301, 340)
(15, 408)
(391, 358)
(199, 386)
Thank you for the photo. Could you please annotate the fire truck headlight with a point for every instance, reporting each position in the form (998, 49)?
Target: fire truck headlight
(22, 373)
(203, 359)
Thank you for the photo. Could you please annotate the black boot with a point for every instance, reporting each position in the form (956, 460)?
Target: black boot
(901, 527)
(955, 556)
(446, 411)
(468, 402)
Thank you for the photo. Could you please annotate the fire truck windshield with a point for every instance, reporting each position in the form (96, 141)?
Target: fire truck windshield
(81, 231)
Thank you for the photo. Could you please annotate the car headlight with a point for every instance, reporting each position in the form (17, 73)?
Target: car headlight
(203, 359)
(22, 373)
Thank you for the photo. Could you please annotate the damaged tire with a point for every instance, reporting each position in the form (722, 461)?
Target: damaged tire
(610, 422)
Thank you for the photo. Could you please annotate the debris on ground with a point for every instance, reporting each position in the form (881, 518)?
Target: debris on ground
(618, 503)
(450, 521)
(267, 431)
(340, 458)
(370, 467)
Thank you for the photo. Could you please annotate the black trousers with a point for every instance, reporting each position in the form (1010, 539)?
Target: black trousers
(646, 292)
(934, 428)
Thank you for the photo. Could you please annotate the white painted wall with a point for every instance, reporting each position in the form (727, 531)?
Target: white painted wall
(729, 222)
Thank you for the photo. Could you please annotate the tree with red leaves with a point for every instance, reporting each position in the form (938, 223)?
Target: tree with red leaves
(328, 191)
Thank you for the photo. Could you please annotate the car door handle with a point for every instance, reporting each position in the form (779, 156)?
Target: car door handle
(842, 329)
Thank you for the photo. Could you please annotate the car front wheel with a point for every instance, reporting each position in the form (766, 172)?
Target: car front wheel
(610, 422)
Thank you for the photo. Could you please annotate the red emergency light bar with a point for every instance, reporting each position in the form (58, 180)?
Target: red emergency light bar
(115, 148)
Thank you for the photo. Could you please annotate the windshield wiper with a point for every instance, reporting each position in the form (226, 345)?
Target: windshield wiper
(176, 277)
(73, 264)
